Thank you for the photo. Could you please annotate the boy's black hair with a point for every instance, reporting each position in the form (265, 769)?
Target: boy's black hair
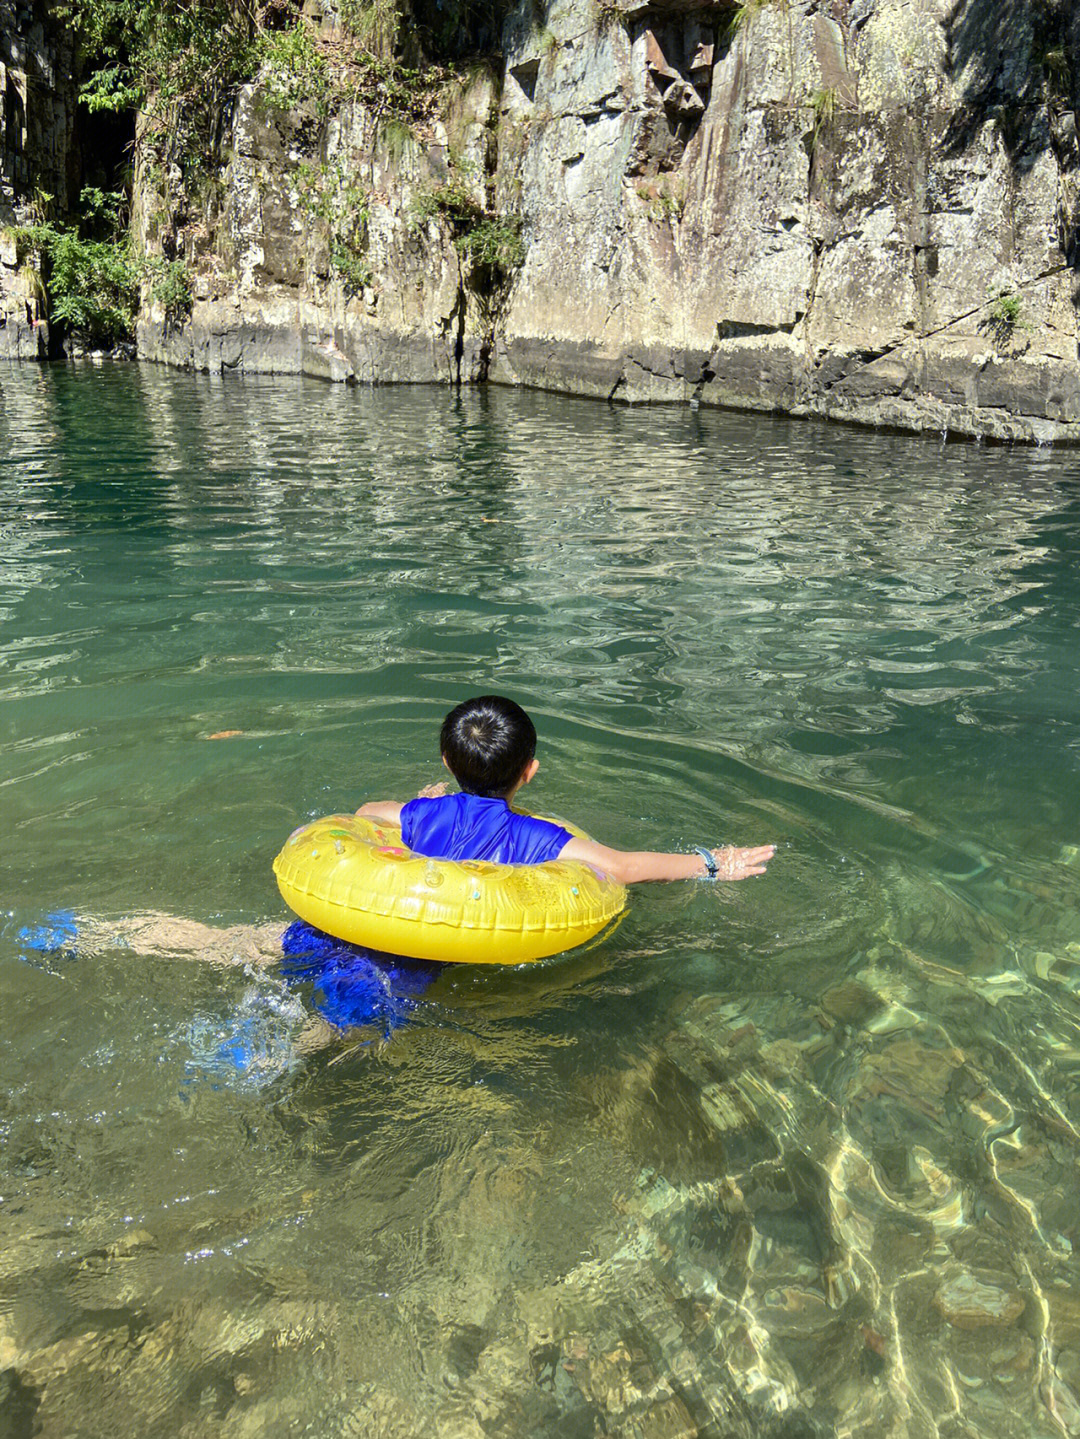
(487, 742)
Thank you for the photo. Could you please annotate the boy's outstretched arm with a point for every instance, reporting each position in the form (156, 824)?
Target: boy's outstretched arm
(387, 810)
(634, 866)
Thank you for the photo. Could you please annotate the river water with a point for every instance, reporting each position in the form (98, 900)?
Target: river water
(796, 1157)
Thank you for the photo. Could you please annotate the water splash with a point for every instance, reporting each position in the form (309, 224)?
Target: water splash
(250, 1047)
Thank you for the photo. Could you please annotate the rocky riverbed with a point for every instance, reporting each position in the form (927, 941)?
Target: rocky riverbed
(799, 1214)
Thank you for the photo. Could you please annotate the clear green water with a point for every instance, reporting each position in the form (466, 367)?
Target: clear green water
(797, 1157)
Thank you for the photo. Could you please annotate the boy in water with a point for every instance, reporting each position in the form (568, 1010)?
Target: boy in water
(489, 745)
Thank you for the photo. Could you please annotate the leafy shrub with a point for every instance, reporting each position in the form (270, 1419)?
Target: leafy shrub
(1005, 310)
(663, 202)
(492, 242)
(156, 51)
(296, 69)
(103, 211)
(353, 269)
(327, 192)
(495, 242)
(170, 286)
(454, 199)
(113, 87)
(91, 283)
(1005, 317)
(93, 286)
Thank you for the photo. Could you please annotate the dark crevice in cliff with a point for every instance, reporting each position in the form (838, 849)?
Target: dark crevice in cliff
(487, 346)
(451, 30)
(740, 330)
(457, 319)
(1066, 148)
(498, 248)
(106, 146)
(924, 255)
(492, 293)
(705, 377)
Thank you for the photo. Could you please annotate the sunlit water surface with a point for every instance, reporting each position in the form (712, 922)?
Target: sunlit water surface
(797, 1157)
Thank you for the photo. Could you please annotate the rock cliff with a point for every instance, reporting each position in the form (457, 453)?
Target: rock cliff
(861, 210)
(864, 209)
(37, 145)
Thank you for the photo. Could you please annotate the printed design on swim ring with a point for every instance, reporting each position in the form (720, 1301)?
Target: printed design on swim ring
(353, 878)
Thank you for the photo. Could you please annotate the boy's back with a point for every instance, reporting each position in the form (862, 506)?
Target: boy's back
(471, 826)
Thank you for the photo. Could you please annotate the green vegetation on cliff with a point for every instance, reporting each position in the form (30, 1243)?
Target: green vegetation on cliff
(90, 276)
(491, 242)
(176, 67)
(149, 54)
(342, 204)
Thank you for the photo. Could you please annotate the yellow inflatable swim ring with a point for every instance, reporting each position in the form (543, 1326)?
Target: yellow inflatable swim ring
(353, 878)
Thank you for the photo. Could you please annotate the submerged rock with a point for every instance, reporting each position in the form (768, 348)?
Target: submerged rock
(968, 1302)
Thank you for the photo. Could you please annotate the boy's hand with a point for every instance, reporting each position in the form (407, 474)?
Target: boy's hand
(732, 863)
(434, 791)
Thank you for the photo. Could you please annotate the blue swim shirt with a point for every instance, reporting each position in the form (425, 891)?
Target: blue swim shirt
(467, 826)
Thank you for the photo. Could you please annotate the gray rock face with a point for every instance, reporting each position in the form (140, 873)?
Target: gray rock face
(864, 219)
(292, 189)
(864, 209)
(37, 141)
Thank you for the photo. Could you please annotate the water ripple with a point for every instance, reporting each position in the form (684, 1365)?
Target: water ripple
(791, 1157)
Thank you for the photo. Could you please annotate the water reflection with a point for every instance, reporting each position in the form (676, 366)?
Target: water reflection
(793, 1158)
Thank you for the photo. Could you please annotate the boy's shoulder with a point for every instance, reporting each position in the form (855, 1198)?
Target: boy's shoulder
(444, 801)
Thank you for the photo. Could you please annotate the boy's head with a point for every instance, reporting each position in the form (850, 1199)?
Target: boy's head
(488, 744)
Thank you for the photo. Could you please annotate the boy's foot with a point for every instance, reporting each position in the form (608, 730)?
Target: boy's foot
(56, 932)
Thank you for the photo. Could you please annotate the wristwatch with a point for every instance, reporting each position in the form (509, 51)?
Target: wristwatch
(711, 869)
